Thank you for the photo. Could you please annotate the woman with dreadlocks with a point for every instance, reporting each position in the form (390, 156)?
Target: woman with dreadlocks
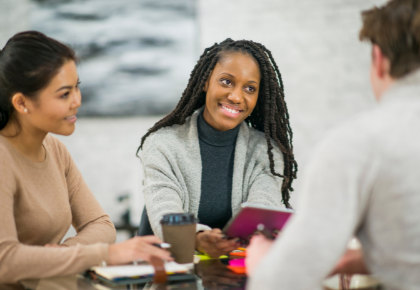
(228, 141)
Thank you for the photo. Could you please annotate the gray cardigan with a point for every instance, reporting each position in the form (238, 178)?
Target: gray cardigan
(172, 171)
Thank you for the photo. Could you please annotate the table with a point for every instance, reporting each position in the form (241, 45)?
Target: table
(211, 275)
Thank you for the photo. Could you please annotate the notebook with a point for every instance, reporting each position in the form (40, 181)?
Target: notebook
(137, 274)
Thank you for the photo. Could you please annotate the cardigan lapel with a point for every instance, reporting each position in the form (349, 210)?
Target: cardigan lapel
(195, 166)
(239, 166)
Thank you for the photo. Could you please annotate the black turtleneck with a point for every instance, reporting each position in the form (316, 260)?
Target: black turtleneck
(217, 150)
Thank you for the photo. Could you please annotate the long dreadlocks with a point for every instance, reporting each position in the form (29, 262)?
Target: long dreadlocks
(270, 114)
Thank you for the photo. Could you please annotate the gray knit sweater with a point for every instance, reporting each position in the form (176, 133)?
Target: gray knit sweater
(172, 171)
(364, 180)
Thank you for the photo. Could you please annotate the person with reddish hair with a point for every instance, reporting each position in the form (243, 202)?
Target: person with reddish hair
(363, 180)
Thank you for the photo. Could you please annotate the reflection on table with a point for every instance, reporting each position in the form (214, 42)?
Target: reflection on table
(210, 275)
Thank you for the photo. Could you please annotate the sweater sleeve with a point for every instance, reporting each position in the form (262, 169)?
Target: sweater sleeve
(265, 188)
(162, 190)
(19, 261)
(90, 221)
(333, 200)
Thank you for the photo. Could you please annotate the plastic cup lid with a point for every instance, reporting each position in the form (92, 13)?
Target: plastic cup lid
(178, 219)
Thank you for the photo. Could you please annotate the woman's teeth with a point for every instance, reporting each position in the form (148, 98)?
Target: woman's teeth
(229, 110)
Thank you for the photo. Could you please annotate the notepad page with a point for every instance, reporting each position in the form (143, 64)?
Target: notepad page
(114, 272)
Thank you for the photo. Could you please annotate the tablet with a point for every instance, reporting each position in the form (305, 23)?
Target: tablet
(244, 223)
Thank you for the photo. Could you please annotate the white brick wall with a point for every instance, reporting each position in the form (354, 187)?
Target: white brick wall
(14, 17)
(315, 44)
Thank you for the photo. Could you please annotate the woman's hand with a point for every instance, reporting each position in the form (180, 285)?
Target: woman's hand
(257, 249)
(55, 246)
(135, 249)
(214, 244)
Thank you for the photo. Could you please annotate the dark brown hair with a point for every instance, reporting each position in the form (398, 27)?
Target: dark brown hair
(395, 28)
(270, 114)
(28, 62)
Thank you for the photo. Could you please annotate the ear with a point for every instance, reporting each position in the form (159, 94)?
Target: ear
(380, 63)
(206, 84)
(19, 102)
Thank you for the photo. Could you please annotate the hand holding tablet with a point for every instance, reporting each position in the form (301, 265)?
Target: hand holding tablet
(251, 218)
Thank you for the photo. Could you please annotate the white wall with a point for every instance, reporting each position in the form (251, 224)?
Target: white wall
(315, 44)
(14, 17)
(104, 151)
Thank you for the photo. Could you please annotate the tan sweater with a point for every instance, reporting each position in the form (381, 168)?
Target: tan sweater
(38, 203)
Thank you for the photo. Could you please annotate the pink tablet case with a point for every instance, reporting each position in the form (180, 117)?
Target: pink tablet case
(244, 224)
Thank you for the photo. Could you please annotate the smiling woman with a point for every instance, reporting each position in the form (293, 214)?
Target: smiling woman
(53, 109)
(231, 91)
(23, 103)
(227, 141)
(42, 191)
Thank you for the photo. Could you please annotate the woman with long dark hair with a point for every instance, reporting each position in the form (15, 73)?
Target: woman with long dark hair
(42, 192)
(227, 141)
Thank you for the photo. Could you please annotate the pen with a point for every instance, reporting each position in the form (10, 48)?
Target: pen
(263, 230)
(162, 245)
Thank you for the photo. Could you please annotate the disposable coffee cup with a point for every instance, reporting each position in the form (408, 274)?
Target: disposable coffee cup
(179, 231)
